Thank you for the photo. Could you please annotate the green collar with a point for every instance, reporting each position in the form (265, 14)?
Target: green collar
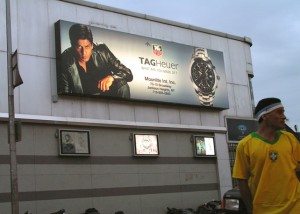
(256, 135)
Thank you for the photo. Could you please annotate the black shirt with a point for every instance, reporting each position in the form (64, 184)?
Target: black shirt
(90, 78)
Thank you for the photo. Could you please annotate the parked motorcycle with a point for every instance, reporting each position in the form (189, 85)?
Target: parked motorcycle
(233, 203)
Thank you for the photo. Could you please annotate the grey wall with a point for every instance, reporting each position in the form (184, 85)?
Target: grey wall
(33, 36)
(111, 178)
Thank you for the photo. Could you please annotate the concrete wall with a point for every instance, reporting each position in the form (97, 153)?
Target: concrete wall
(33, 35)
(111, 178)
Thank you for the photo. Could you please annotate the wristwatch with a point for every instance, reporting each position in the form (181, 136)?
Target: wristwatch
(203, 76)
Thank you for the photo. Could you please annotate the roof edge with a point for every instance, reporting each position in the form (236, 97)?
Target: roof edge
(160, 20)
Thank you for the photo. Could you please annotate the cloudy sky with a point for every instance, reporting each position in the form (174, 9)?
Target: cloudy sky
(273, 26)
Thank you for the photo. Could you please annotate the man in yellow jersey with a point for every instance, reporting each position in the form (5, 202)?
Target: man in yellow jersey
(266, 162)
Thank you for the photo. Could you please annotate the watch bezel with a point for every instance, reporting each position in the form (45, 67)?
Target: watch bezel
(212, 69)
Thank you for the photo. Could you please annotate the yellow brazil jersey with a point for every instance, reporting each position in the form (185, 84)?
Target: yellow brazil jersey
(270, 170)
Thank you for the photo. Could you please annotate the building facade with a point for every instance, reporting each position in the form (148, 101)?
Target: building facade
(110, 177)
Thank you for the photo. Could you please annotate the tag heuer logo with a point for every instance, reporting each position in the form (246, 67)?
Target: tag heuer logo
(157, 50)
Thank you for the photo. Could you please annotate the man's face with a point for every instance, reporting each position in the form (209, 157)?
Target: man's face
(83, 50)
(276, 119)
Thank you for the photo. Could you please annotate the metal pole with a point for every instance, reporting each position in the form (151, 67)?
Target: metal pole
(11, 114)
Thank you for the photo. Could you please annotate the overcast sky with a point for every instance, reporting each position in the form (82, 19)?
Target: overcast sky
(273, 26)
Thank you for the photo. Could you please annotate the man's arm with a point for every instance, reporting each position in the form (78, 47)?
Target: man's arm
(63, 84)
(67, 66)
(105, 83)
(115, 67)
(295, 142)
(246, 194)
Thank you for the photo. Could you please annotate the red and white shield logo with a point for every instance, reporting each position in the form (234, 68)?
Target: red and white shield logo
(157, 50)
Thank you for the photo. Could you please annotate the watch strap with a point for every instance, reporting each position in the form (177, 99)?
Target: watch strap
(201, 53)
(205, 99)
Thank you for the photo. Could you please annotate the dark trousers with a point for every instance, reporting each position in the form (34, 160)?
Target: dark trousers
(118, 89)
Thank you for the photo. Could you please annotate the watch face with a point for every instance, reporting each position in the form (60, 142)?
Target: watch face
(203, 75)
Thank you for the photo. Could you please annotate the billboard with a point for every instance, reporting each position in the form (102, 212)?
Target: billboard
(93, 61)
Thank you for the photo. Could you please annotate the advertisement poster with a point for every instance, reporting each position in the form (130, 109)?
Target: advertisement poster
(146, 144)
(74, 142)
(204, 146)
(238, 128)
(93, 61)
